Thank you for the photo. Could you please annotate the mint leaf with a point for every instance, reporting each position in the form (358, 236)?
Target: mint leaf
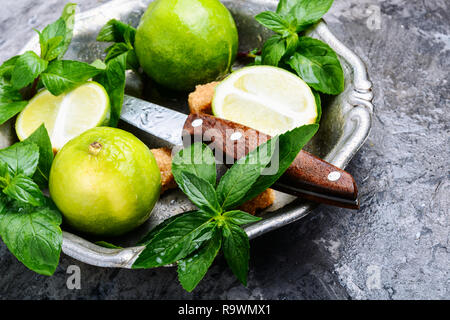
(28, 67)
(239, 179)
(318, 65)
(290, 144)
(113, 80)
(197, 159)
(24, 189)
(236, 249)
(51, 39)
(285, 6)
(308, 12)
(68, 15)
(274, 22)
(273, 50)
(9, 110)
(240, 217)
(193, 268)
(116, 31)
(64, 75)
(7, 67)
(22, 158)
(33, 235)
(116, 50)
(41, 139)
(56, 37)
(10, 102)
(199, 191)
(119, 48)
(152, 233)
(176, 240)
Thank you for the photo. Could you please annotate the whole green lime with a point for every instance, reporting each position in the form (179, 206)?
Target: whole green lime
(182, 43)
(105, 181)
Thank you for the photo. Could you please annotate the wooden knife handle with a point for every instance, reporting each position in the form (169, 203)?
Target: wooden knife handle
(308, 176)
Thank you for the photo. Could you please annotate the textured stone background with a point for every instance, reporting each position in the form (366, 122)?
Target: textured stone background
(395, 247)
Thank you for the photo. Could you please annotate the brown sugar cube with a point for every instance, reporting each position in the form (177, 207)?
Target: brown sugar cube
(200, 100)
(163, 158)
(260, 202)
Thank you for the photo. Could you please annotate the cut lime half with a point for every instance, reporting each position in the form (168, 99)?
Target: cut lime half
(65, 116)
(268, 99)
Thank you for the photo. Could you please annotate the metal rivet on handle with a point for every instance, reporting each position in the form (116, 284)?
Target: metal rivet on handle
(235, 136)
(334, 176)
(197, 122)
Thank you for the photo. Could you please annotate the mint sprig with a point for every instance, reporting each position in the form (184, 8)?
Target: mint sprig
(193, 239)
(311, 59)
(122, 37)
(21, 76)
(29, 221)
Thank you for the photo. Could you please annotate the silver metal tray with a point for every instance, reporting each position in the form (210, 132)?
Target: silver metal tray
(344, 127)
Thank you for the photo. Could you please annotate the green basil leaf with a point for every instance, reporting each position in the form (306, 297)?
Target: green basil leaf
(22, 158)
(113, 79)
(290, 144)
(176, 240)
(239, 179)
(318, 65)
(273, 50)
(193, 268)
(308, 12)
(236, 249)
(197, 159)
(24, 189)
(33, 235)
(274, 22)
(27, 68)
(42, 140)
(9, 110)
(200, 192)
(64, 75)
(240, 217)
(116, 31)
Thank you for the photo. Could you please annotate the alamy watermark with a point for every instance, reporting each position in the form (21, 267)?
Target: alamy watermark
(74, 280)
(230, 145)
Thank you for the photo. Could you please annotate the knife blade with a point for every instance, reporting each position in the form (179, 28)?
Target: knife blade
(308, 176)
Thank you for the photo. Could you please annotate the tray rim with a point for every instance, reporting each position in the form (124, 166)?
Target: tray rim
(356, 131)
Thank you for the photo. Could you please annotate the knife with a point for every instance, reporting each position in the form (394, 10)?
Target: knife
(308, 176)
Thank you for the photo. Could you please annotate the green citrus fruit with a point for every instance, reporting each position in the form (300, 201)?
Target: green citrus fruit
(269, 99)
(105, 181)
(182, 43)
(67, 115)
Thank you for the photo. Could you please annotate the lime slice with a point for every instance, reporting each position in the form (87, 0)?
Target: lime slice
(65, 116)
(268, 99)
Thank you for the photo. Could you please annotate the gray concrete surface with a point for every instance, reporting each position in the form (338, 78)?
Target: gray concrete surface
(395, 247)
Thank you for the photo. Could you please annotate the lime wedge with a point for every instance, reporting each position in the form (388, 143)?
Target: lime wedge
(268, 99)
(65, 116)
